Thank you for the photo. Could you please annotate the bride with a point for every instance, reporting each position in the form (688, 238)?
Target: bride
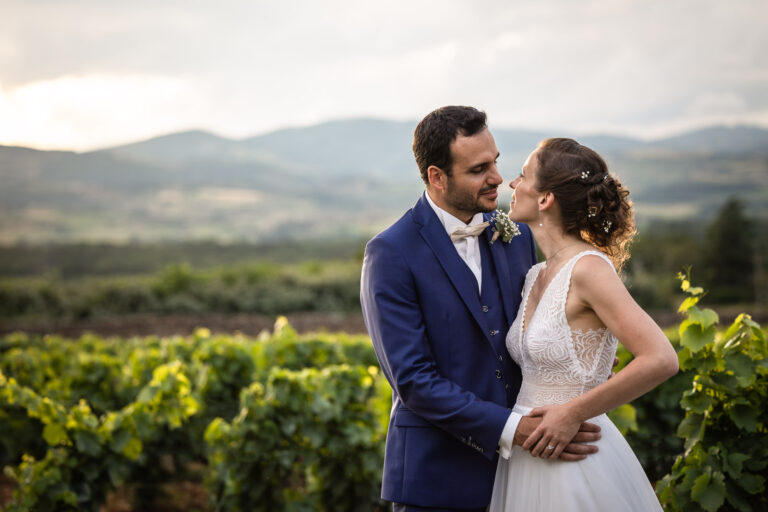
(573, 310)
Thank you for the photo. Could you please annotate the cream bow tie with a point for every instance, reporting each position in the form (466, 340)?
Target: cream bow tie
(460, 233)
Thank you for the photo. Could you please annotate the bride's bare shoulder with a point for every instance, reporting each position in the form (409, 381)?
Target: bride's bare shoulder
(593, 270)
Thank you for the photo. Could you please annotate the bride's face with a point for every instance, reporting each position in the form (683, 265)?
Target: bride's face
(524, 206)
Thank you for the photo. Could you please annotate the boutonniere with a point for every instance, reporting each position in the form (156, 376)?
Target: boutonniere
(503, 227)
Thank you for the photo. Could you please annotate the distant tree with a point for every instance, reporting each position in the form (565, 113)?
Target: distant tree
(729, 255)
(761, 261)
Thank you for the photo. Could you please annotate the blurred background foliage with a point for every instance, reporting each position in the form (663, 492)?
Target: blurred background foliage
(81, 281)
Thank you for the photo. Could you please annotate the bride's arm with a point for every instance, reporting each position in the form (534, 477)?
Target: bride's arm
(596, 286)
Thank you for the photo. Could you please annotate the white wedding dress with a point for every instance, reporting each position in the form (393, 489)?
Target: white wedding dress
(558, 364)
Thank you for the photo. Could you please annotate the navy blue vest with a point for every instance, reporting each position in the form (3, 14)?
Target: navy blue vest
(497, 323)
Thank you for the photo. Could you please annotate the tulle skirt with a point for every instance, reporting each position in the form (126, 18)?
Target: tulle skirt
(610, 480)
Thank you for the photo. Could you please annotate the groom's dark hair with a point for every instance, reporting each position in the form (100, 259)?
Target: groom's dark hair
(434, 134)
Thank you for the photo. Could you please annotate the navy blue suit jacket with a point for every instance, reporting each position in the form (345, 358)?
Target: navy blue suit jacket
(424, 316)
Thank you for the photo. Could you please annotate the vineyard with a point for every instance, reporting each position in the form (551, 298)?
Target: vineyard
(284, 421)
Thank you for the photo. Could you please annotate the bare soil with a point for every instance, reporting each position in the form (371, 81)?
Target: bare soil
(252, 325)
(168, 325)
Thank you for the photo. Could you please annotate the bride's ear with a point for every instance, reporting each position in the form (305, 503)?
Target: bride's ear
(546, 200)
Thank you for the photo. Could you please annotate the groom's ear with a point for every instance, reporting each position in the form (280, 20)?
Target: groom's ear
(437, 177)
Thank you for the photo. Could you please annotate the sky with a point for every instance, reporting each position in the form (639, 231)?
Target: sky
(86, 74)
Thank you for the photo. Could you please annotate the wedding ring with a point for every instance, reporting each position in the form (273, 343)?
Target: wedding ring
(550, 447)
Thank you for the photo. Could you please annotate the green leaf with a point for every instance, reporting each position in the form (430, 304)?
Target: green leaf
(709, 491)
(744, 417)
(688, 303)
(748, 321)
(694, 338)
(67, 496)
(697, 401)
(133, 448)
(144, 425)
(684, 357)
(723, 382)
(703, 317)
(683, 326)
(752, 483)
(733, 329)
(54, 434)
(625, 418)
(742, 367)
(691, 429)
(118, 473)
(119, 438)
(733, 464)
(737, 497)
(690, 474)
(87, 442)
(664, 488)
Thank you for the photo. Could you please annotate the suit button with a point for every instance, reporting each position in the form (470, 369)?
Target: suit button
(485, 309)
(498, 374)
(506, 386)
(500, 357)
(494, 332)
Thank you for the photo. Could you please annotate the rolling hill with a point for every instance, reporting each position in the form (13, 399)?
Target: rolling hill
(336, 179)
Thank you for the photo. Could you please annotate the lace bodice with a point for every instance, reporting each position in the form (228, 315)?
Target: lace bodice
(557, 363)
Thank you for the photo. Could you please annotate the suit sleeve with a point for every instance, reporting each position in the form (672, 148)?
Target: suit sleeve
(395, 322)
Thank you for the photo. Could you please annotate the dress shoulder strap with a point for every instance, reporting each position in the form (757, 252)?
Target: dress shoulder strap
(567, 271)
(531, 275)
(577, 257)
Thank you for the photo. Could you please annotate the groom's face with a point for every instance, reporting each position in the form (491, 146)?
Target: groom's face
(472, 186)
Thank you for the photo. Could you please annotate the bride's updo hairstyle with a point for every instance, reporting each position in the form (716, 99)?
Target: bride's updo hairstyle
(593, 203)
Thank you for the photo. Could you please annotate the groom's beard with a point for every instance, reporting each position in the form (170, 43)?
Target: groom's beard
(466, 201)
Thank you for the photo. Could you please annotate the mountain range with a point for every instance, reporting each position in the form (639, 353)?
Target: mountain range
(336, 179)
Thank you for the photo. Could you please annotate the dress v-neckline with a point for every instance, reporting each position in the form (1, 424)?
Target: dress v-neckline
(523, 326)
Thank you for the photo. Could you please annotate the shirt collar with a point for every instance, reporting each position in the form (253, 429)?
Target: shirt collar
(449, 222)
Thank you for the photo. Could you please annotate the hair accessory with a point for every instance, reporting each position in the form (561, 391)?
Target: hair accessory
(607, 225)
(592, 211)
(606, 177)
(584, 175)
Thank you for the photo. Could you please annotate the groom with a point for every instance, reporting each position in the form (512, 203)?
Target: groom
(437, 305)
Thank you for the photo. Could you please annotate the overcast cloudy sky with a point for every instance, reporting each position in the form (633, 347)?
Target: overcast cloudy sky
(83, 74)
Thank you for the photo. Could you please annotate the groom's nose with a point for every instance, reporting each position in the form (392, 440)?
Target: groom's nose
(494, 177)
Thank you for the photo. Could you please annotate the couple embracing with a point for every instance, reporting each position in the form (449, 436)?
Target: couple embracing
(500, 365)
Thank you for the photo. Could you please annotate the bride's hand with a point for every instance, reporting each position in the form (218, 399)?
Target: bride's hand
(556, 430)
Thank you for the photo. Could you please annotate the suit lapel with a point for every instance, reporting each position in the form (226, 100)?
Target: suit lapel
(500, 260)
(463, 280)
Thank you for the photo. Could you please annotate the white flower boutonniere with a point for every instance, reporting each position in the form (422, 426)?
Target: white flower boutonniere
(503, 227)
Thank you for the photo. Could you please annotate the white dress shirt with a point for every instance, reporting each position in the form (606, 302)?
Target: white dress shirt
(469, 251)
(469, 247)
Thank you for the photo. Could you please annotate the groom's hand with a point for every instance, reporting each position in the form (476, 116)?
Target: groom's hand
(613, 368)
(575, 450)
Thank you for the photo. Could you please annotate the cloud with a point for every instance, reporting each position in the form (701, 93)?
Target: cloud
(711, 102)
(84, 112)
(239, 67)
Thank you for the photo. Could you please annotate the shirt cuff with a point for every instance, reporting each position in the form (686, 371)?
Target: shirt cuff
(508, 434)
